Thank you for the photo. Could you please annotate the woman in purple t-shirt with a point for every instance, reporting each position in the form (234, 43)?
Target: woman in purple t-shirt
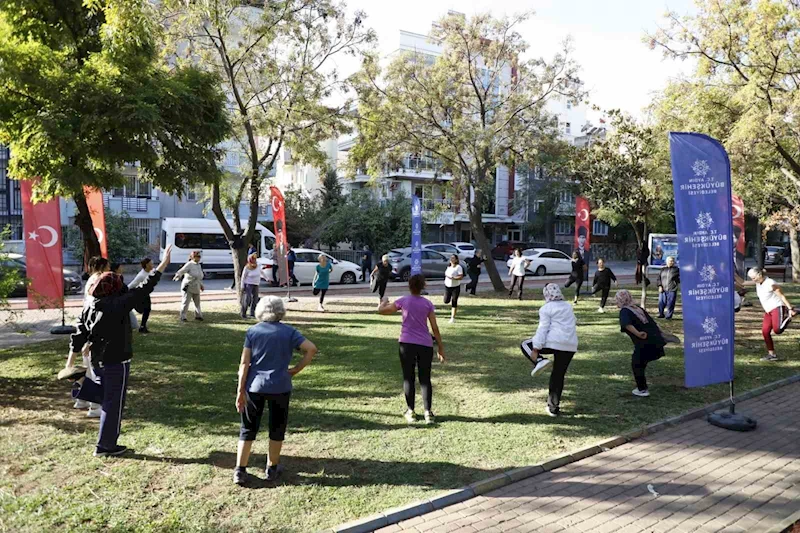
(416, 345)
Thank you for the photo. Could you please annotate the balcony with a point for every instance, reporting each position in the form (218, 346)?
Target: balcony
(135, 206)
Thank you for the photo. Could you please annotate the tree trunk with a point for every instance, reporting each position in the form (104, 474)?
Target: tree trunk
(476, 222)
(795, 252)
(238, 243)
(83, 220)
(759, 245)
(549, 231)
(641, 238)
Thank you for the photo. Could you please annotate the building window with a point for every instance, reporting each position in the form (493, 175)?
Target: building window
(191, 194)
(599, 228)
(568, 127)
(566, 197)
(537, 206)
(569, 104)
(564, 228)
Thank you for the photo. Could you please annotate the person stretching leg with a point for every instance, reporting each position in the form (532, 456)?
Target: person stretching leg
(778, 312)
(452, 285)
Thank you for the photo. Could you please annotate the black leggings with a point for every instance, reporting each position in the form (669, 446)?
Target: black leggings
(514, 279)
(278, 405)
(412, 355)
(603, 294)
(578, 281)
(146, 308)
(452, 293)
(321, 293)
(561, 361)
(382, 287)
(642, 355)
(473, 282)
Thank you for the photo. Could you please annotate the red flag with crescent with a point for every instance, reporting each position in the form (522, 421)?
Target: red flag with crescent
(279, 221)
(41, 224)
(94, 201)
(583, 219)
(738, 234)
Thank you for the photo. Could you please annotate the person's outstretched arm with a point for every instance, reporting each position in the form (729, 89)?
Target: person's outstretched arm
(437, 335)
(134, 297)
(387, 307)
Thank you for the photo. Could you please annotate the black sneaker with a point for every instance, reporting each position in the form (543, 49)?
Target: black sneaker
(198, 318)
(144, 330)
(117, 450)
(240, 476)
(273, 472)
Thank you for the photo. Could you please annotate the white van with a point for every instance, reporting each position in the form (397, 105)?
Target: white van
(189, 234)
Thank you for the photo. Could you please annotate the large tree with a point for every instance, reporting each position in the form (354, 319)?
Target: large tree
(743, 91)
(82, 92)
(477, 105)
(626, 177)
(275, 60)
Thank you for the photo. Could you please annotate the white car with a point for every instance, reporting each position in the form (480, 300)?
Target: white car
(465, 249)
(544, 261)
(306, 263)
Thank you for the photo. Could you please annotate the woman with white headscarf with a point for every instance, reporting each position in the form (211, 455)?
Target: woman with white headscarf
(557, 334)
(648, 341)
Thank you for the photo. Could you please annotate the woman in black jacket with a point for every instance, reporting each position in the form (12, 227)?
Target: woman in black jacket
(576, 277)
(474, 271)
(602, 283)
(104, 328)
(648, 341)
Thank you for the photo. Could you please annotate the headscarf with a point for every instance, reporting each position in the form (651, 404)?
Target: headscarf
(552, 293)
(625, 301)
(107, 284)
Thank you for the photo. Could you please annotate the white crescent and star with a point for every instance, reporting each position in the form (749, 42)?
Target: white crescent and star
(737, 211)
(34, 236)
(583, 215)
(276, 203)
(100, 235)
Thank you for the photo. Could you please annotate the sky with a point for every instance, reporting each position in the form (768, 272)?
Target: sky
(618, 70)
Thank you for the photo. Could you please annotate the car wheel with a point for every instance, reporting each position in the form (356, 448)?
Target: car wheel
(541, 271)
(405, 275)
(348, 278)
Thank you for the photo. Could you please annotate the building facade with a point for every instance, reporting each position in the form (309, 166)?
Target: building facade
(10, 199)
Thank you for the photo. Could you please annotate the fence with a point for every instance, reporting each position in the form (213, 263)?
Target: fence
(354, 256)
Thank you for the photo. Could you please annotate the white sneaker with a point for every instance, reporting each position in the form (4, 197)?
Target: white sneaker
(94, 412)
(770, 357)
(540, 364)
(601, 310)
(429, 418)
(452, 320)
(549, 412)
(81, 404)
(410, 416)
(641, 393)
(320, 308)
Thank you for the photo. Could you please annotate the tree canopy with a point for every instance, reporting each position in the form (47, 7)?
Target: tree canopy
(477, 105)
(83, 92)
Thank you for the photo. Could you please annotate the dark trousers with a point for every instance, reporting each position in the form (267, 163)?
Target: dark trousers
(603, 294)
(451, 294)
(366, 267)
(381, 287)
(145, 309)
(472, 286)
(561, 361)
(666, 303)
(275, 274)
(321, 293)
(578, 281)
(110, 393)
(292, 278)
(514, 280)
(278, 408)
(249, 299)
(642, 355)
(416, 355)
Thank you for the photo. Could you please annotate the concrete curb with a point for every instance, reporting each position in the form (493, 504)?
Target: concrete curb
(452, 497)
(785, 525)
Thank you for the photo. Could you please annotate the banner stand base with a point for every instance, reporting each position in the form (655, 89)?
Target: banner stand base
(290, 299)
(63, 330)
(732, 421)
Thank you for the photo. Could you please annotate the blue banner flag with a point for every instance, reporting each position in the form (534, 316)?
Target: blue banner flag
(701, 178)
(416, 236)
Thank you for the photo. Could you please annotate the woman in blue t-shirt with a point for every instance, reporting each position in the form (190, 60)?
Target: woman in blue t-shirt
(266, 379)
(322, 280)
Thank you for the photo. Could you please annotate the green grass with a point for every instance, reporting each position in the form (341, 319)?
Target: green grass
(348, 451)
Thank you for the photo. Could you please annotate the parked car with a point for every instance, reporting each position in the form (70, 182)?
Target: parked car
(305, 267)
(545, 261)
(774, 255)
(444, 248)
(72, 280)
(504, 249)
(465, 249)
(433, 263)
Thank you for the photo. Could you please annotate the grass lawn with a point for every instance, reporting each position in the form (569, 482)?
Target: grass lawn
(348, 451)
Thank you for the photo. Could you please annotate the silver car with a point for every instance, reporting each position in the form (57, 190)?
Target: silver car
(433, 263)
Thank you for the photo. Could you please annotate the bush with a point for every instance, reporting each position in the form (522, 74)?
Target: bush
(125, 244)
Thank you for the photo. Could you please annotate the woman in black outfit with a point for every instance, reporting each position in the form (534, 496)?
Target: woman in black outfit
(648, 341)
(474, 271)
(382, 273)
(576, 277)
(602, 283)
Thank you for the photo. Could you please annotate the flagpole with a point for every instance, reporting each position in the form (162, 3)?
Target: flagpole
(63, 329)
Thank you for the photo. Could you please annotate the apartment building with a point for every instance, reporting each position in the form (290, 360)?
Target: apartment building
(10, 199)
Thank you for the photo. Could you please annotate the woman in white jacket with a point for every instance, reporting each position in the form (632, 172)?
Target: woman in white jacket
(557, 334)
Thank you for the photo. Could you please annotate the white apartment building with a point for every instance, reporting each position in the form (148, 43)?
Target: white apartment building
(448, 219)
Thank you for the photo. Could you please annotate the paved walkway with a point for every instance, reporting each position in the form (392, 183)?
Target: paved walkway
(707, 479)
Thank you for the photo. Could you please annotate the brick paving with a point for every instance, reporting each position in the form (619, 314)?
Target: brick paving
(707, 479)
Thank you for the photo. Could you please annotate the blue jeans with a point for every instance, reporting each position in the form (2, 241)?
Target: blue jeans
(249, 299)
(666, 301)
(111, 393)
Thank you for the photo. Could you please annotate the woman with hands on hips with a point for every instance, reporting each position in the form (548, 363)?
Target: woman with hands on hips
(416, 345)
(265, 379)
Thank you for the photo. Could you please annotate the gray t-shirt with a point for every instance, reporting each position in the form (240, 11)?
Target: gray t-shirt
(271, 344)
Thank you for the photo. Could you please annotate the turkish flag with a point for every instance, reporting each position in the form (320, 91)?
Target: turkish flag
(94, 200)
(42, 232)
(738, 234)
(279, 220)
(583, 219)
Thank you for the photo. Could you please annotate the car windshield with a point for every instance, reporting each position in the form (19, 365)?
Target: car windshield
(774, 248)
(395, 253)
(466, 247)
(531, 252)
